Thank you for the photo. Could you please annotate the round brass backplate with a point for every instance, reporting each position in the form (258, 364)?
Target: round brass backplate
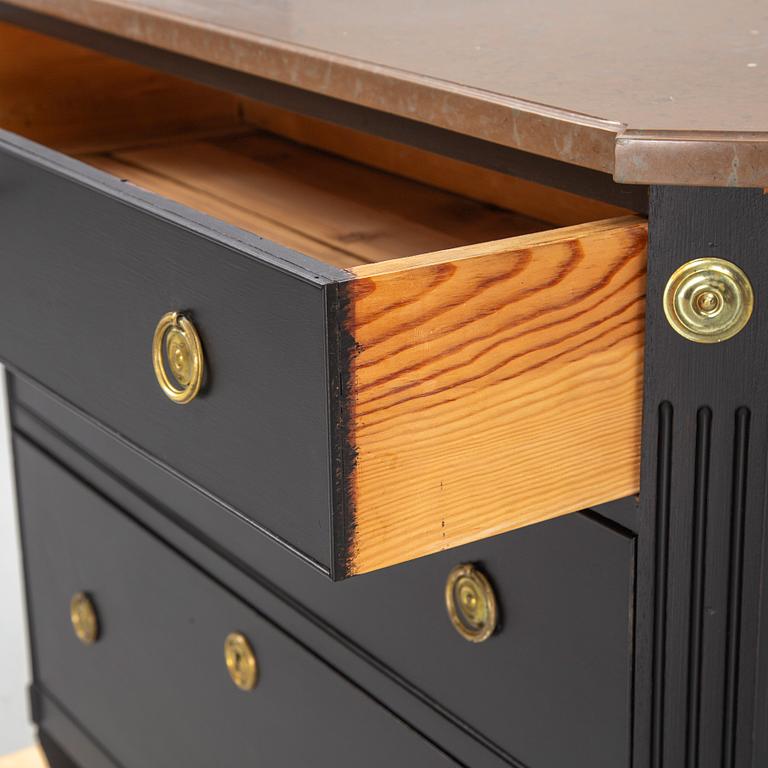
(85, 621)
(177, 357)
(471, 603)
(708, 300)
(241, 661)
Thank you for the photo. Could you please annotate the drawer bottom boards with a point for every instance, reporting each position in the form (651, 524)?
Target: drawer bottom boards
(154, 691)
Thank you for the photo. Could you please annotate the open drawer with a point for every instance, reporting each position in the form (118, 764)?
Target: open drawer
(417, 357)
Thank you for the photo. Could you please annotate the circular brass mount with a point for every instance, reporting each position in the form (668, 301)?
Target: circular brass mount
(176, 347)
(471, 603)
(85, 620)
(241, 661)
(708, 300)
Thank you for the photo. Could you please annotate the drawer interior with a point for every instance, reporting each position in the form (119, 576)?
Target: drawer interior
(476, 368)
(331, 193)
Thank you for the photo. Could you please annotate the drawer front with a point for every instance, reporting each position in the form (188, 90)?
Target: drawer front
(554, 680)
(89, 267)
(154, 690)
(426, 401)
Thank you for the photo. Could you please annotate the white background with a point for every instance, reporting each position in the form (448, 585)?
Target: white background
(15, 730)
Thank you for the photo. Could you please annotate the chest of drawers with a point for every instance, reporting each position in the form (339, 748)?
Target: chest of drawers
(334, 384)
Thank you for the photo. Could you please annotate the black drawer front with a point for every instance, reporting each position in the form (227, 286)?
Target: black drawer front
(88, 268)
(556, 677)
(554, 681)
(154, 690)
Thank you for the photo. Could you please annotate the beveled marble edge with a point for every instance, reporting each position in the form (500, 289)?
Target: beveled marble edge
(704, 159)
(632, 156)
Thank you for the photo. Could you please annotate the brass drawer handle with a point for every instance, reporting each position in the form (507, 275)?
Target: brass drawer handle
(708, 300)
(177, 338)
(471, 603)
(85, 620)
(241, 661)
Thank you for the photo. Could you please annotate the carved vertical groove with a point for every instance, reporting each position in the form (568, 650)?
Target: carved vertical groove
(698, 577)
(735, 582)
(663, 491)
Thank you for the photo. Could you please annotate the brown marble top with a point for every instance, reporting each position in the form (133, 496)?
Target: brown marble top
(663, 91)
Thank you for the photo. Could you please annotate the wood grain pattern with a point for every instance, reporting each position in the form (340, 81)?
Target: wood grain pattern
(325, 206)
(493, 386)
(500, 189)
(74, 99)
(241, 214)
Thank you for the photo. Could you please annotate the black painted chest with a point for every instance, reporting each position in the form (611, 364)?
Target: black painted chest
(329, 420)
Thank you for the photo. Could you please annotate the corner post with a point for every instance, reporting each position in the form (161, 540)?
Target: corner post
(701, 670)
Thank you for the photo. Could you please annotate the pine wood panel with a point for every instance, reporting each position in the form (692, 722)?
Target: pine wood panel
(493, 386)
(239, 214)
(526, 197)
(78, 100)
(453, 218)
(324, 206)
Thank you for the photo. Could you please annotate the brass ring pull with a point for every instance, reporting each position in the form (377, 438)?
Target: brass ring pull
(176, 335)
(85, 620)
(471, 603)
(241, 661)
